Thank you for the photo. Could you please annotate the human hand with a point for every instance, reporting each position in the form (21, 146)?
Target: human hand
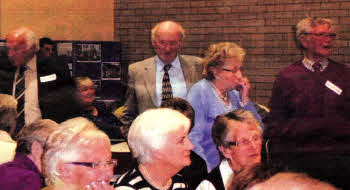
(244, 92)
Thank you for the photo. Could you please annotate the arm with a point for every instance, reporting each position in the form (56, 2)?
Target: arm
(131, 110)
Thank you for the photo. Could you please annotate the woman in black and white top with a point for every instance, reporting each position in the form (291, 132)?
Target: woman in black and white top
(158, 140)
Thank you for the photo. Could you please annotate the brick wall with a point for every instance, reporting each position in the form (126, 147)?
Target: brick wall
(262, 27)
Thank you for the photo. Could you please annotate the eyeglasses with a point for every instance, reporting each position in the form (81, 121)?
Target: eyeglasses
(230, 70)
(111, 163)
(168, 43)
(244, 143)
(323, 35)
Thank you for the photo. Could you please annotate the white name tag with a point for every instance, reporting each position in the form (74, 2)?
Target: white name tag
(333, 87)
(48, 78)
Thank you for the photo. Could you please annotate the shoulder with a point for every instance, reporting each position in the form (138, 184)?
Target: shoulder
(131, 179)
(18, 178)
(191, 58)
(142, 64)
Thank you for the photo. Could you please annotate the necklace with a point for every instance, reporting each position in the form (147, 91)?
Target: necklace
(219, 94)
(148, 178)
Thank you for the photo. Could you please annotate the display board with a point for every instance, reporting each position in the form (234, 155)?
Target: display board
(99, 60)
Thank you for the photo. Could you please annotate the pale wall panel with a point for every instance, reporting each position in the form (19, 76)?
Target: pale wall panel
(60, 20)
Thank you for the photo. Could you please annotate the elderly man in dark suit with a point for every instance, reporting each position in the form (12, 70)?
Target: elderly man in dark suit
(42, 87)
(148, 82)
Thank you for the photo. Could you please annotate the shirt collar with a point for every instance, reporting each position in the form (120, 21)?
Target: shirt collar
(308, 63)
(31, 65)
(174, 64)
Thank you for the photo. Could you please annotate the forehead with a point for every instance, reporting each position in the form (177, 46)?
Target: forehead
(322, 28)
(238, 130)
(168, 32)
(16, 40)
(233, 62)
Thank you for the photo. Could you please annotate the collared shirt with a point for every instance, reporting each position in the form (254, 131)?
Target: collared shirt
(225, 171)
(177, 79)
(308, 64)
(31, 105)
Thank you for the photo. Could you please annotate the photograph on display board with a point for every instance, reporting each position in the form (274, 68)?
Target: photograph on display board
(111, 52)
(88, 69)
(88, 52)
(111, 71)
(65, 50)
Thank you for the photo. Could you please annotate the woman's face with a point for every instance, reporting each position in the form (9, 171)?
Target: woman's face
(83, 174)
(87, 93)
(229, 75)
(247, 150)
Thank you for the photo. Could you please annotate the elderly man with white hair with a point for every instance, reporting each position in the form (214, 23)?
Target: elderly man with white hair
(158, 140)
(42, 87)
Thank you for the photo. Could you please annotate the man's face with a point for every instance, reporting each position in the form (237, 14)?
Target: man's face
(247, 152)
(18, 52)
(47, 50)
(319, 42)
(167, 44)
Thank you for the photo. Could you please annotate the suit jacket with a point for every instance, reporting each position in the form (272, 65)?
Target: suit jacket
(140, 94)
(56, 96)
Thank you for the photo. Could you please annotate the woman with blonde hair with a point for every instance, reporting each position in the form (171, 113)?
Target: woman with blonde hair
(223, 89)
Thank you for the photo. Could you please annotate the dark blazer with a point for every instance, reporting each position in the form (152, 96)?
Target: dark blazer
(56, 96)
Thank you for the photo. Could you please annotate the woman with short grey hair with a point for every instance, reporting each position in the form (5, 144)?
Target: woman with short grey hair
(78, 156)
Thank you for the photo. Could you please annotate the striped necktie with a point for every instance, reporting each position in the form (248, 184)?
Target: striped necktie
(167, 92)
(19, 95)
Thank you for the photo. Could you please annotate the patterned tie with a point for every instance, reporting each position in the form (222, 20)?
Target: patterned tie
(19, 95)
(317, 67)
(167, 92)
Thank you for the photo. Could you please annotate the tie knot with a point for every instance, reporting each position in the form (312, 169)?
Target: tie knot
(22, 69)
(317, 67)
(167, 67)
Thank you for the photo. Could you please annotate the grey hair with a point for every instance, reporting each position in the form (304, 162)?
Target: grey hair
(155, 29)
(150, 131)
(306, 25)
(8, 112)
(29, 36)
(63, 144)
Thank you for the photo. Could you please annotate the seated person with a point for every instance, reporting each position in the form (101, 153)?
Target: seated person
(96, 111)
(24, 172)
(238, 136)
(196, 171)
(8, 113)
(158, 140)
(78, 156)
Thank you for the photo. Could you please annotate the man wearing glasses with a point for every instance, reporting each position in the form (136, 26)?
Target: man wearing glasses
(309, 121)
(159, 78)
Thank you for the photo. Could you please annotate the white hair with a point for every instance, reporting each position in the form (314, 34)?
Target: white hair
(66, 141)
(151, 130)
(29, 36)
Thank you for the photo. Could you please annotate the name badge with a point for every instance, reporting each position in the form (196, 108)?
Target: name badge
(48, 78)
(333, 87)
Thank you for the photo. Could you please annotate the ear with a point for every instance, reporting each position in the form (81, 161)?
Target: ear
(227, 152)
(36, 149)
(303, 41)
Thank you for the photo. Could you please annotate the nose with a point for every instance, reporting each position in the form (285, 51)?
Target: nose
(189, 144)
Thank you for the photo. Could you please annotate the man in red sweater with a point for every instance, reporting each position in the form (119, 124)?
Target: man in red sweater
(309, 125)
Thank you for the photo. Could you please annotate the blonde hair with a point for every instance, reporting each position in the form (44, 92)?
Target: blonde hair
(216, 55)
